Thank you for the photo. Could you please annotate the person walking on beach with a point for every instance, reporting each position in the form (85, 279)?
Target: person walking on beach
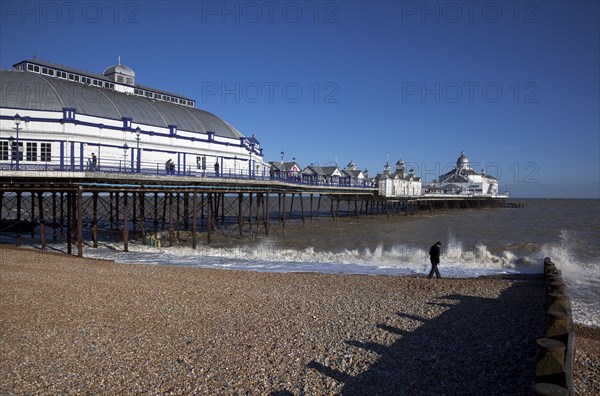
(434, 257)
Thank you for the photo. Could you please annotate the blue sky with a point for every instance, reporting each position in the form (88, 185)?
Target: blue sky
(513, 84)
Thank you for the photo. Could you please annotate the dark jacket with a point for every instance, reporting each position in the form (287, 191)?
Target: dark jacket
(434, 254)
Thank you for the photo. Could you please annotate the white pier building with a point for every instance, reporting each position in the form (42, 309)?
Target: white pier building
(57, 118)
(398, 183)
(464, 180)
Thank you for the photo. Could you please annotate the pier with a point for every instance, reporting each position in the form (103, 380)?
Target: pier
(170, 209)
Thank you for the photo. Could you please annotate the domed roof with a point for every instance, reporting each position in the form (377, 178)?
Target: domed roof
(119, 69)
(462, 160)
(93, 101)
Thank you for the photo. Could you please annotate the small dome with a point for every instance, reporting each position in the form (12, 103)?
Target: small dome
(119, 69)
(462, 161)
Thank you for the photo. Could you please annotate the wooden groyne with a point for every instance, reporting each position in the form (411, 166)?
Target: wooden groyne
(556, 351)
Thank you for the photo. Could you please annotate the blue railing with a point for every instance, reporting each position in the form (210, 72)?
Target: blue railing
(154, 168)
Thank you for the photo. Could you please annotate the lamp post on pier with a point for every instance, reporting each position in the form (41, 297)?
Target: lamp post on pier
(125, 148)
(137, 148)
(250, 163)
(17, 150)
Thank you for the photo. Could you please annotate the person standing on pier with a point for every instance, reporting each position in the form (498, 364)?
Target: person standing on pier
(434, 257)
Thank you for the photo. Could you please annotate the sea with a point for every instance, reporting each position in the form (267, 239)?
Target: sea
(475, 242)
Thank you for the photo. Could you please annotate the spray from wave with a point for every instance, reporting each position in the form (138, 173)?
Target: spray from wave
(582, 278)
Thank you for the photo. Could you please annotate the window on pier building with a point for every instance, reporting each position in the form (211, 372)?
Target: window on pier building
(31, 152)
(15, 152)
(46, 152)
(4, 151)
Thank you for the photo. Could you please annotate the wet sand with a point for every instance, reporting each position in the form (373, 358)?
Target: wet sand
(82, 326)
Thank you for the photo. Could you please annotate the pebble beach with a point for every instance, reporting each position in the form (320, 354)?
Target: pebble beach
(81, 326)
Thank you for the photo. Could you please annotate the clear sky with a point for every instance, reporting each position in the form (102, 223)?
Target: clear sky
(513, 84)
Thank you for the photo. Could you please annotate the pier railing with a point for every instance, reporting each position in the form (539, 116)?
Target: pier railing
(126, 167)
(555, 352)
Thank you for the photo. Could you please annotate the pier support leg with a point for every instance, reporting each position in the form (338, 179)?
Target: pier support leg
(209, 218)
(79, 222)
(302, 209)
(166, 197)
(125, 225)
(42, 222)
(186, 211)
(69, 222)
(155, 215)
(194, 210)
(18, 239)
(32, 215)
(177, 217)
(283, 214)
(319, 205)
(222, 198)
(95, 219)
(142, 201)
(266, 215)
(62, 214)
(54, 222)
(133, 211)
(240, 217)
(171, 219)
(110, 210)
